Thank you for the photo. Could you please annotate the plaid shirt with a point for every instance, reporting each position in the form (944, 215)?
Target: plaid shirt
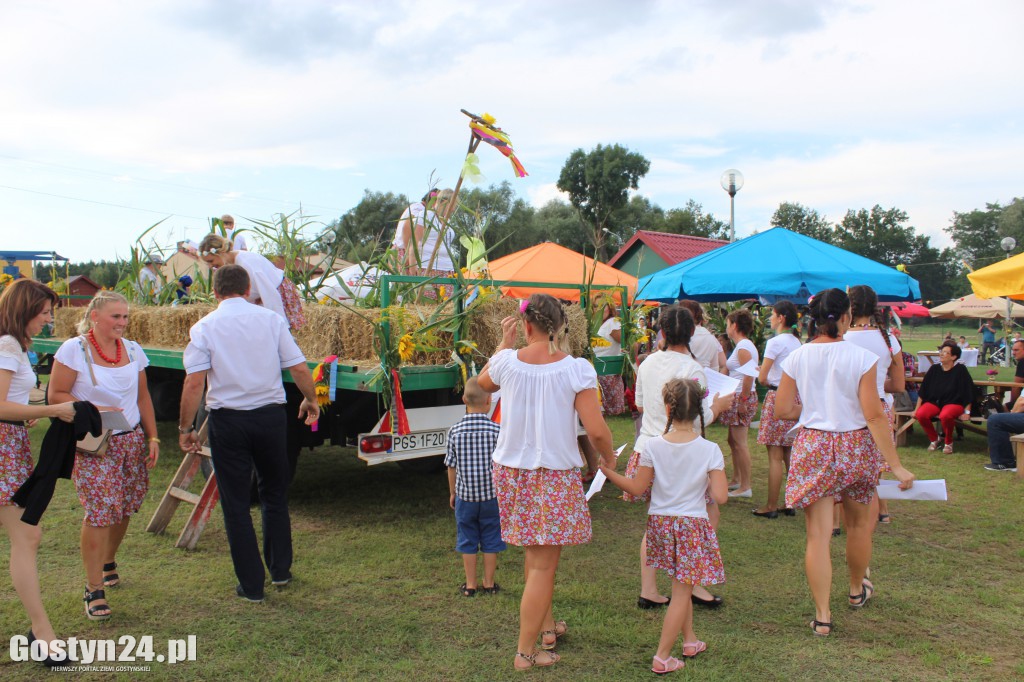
(470, 446)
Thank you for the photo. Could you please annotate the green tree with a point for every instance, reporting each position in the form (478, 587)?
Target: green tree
(803, 220)
(693, 221)
(558, 222)
(976, 234)
(883, 236)
(506, 220)
(598, 184)
(369, 227)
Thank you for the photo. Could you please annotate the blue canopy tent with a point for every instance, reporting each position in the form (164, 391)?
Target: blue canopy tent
(773, 265)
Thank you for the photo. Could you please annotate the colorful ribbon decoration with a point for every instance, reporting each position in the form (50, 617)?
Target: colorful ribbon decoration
(484, 129)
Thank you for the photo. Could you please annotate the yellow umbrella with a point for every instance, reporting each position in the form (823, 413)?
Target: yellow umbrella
(973, 306)
(1005, 278)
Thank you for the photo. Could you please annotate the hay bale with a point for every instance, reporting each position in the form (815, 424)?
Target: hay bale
(332, 329)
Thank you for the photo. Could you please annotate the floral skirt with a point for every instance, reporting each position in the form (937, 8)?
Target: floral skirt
(613, 394)
(112, 487)
(773, 431)
(732, 416)
(292, 303)
(541, 506)
(686, 547)
(15, 460)
(631, 468)
(824, 464)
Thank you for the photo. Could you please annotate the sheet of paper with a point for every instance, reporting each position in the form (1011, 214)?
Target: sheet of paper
(100, 397)
(750, 369)
(721, 384)
(921, 490)
(600, 478)
(114, 419)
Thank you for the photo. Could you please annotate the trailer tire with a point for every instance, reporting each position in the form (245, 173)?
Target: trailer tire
(423, 465)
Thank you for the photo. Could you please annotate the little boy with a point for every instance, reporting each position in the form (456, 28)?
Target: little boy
(470, 445)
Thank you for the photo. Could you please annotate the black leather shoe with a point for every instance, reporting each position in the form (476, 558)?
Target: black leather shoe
(642, 603)
(49, 661)
(789, 512)
(712, 603)
(241, 593)
(765, 515)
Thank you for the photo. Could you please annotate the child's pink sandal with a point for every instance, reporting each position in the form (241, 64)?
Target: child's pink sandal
(691, 649)
(668, 665)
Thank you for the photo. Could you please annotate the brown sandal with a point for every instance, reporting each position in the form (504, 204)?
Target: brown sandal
(560, 629)
(532, 659)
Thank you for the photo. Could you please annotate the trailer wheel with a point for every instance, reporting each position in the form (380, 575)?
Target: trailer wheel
(423, 465)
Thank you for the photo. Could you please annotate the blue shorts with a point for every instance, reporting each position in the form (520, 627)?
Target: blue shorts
(479, 529)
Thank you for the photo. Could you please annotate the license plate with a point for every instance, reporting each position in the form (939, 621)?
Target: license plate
(421, 440)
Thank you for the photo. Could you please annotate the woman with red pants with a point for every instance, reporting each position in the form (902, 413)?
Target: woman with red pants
(946, 393)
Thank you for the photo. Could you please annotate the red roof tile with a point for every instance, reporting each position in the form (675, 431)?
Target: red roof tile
(672, 248)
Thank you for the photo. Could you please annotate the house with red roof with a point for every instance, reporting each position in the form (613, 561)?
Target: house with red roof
(648, 252)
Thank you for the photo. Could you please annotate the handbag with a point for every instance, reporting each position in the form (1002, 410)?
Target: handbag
(90, 445)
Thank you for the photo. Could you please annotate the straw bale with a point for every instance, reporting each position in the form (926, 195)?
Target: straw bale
(330, 330)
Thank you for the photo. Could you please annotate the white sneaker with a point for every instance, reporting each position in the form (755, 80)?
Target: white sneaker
(933, 446)
(948, 449)
(734, 486)
(742, 493)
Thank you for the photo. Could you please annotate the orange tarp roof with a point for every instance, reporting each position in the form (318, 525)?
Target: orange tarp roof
(549, 262)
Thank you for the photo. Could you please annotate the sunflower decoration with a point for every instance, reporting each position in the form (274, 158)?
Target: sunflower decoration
(406, 347)
(5, 279)
(322, 380)
(598, 342)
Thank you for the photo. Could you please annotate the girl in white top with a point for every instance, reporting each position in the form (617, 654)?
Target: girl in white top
(268, 285)
(674, 362)
(26, 306)
(683, 467)
(109, 371)
(536, 462)
(613, 390)
(836, 453)
(869, 332)
(739, 325)
(704, 347)
(774, 433)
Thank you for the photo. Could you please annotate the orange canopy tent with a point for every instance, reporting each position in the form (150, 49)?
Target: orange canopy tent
(549, 262)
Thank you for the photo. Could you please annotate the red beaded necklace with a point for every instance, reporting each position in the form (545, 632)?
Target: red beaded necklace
(117, 345)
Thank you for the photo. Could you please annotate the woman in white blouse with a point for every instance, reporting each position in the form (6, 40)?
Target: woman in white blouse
(268, 285)
(25, 307)
(536, 461)
(739, 325)
(109, 371)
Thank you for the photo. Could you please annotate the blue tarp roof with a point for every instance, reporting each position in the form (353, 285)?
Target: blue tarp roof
(773, 265)
(30, 255)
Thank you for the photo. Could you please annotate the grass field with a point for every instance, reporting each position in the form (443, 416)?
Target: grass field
(375, 594)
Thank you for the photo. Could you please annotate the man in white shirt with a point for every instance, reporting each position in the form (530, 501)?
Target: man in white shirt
(237, 240)
(247, 423)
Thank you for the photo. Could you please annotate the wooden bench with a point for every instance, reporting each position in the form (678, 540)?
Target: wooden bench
(1018, 452)
(905, 420)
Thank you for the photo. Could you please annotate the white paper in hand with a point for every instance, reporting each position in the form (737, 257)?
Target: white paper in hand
(750, 369)
(721, 384)
(921, 490)
(600, 478)
(115, 419)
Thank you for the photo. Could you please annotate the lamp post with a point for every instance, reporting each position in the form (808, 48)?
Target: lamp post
(732, 182)
(1007, 244)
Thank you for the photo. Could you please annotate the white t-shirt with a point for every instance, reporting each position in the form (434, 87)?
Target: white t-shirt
(733, 363)
(264, 279)
(705, 348)
(777, 349)
(651, 376)
(149, 283)
(445, 251)
(538, 412)
(115, 386)
(244, 347)
(237, 241)
(872, 340)
(680, 475)
(827, 379)
(605, 332)
(414, 214)
(14, 360)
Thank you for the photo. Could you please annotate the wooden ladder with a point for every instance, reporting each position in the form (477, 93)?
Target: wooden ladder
(177, 492)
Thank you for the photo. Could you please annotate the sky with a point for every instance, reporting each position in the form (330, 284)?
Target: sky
(118, 115)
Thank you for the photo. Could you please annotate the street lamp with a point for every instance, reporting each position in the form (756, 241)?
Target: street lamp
(1007, 244)
(732, 182)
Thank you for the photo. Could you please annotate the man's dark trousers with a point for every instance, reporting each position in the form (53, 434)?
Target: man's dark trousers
(239, 441)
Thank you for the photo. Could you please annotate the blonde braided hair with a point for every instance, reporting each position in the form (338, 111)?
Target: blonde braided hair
(683, 399)
(546, 313)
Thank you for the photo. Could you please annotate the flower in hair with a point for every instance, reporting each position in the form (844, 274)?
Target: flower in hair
(523, 306)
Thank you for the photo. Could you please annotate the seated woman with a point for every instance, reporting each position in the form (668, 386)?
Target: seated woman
(946, 393)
